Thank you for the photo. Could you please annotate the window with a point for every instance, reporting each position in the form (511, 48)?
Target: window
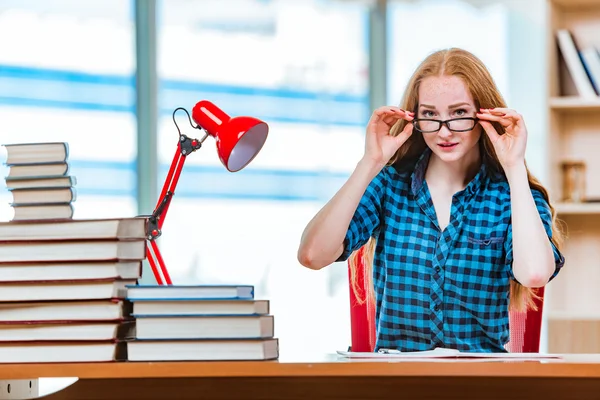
(417, 29)
(67, 74)
(259, 58)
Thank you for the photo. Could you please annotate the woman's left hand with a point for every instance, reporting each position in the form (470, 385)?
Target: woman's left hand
(510, 147)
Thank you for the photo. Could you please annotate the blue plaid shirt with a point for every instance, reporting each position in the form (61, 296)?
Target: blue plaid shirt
(440, 289)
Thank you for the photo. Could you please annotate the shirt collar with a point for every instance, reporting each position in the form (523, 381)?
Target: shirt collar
(418, 175)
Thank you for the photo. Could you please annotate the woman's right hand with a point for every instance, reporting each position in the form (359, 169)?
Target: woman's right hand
(380, 146)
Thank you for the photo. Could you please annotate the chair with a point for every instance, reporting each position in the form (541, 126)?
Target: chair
(525, 327)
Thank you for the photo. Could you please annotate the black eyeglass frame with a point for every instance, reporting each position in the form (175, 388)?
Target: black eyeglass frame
(446, 122)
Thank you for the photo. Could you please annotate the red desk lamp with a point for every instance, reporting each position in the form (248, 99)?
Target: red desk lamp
(238, 141)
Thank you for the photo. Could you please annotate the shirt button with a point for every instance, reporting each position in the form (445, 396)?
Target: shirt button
(437, 268)
(436, 308)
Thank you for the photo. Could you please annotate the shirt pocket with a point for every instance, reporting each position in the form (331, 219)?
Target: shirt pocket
(482, 277)
(484, 240)
(487, 249)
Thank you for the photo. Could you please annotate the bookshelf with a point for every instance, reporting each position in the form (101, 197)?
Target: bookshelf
(566, 104)
(572, 308)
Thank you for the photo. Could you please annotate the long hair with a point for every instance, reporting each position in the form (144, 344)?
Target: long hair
(460, 63)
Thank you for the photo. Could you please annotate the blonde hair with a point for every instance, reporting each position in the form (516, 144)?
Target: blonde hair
(460, 63)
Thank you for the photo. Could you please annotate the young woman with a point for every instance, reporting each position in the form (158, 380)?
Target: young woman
(456, 228)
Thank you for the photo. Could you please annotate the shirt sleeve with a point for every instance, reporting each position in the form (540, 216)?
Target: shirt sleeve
(366, 218)
(546, 216)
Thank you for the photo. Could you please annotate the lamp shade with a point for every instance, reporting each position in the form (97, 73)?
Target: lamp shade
(238, 139)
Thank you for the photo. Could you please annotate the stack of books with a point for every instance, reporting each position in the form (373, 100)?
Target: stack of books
(63, 286)
(200, 323)
(39, 181)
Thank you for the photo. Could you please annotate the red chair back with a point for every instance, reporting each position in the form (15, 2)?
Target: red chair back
(525, 327)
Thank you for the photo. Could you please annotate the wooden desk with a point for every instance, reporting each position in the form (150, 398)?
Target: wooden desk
(575, 377)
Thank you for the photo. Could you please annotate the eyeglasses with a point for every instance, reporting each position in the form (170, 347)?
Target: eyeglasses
(424, 125)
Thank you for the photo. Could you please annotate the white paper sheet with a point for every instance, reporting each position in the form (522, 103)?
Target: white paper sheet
(438, 352)
(446, 353)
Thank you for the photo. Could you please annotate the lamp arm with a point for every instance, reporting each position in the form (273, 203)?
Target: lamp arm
(185, 147)
(228, 132)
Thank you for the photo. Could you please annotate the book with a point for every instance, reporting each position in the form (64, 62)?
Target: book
(65, 331)
(67, 310)
(38, 181)
(205, 327)
(55, 352)
(41, 182)
(36, 153)
(85, 250)
(590, 57)
(42, 196)
(571, 56)
(42, 212)
(234, 325)
(171, 292)
(74, 290)
(202, 350)
(76, 229)
(40, 169)
(168, 307)
(70, 271)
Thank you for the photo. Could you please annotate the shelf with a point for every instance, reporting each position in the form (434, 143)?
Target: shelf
(573, 133)
(575, 316)
(573, 103)
(576, 3)
(577, 208)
